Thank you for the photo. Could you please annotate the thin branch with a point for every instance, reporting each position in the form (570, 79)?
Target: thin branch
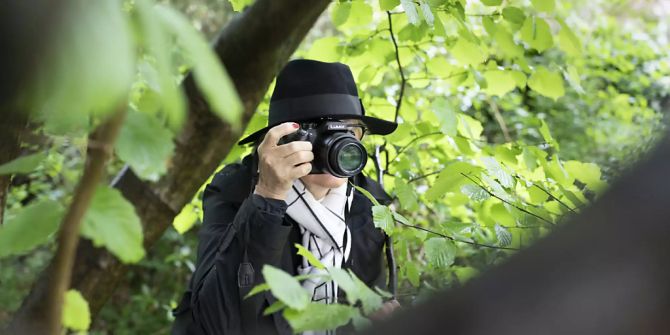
(505, 201)
(403, 148)
(403, 81)
(68, 236)
(455, 239)
(499, 119)
(423, 176)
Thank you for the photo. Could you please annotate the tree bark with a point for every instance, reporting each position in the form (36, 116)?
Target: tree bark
(11, 129)
(605, 272)
(253, 47)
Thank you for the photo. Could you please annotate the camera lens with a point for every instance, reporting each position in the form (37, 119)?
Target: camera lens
(349, 157)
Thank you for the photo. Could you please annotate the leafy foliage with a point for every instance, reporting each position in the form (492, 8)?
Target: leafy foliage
(512, 115)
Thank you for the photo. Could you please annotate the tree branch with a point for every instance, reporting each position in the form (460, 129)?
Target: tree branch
(253, 47)
(47, 318)
(403, 81)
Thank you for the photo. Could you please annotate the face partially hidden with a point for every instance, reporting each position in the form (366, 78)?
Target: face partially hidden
(327, 180)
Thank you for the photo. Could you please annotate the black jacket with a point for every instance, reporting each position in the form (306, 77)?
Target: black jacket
(233, 215)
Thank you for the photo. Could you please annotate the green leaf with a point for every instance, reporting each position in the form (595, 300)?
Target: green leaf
(90, 69)
(347, 15)
(32, 226)
(286, 288)
(507, 45)
(274, 308)
(302, 251)
(23, 164)
(413, 274)
(446, 113)
(325, 49)
(410, 9)
(318, 316)
(111, 222)
(496, 170)
(489, 25)
(475, 192)
(469, 127)
(239, 5)
(340, 13)
(514, 15)
(145, 145)
(468, 53)
(546, 134)
(568, 41)
(186, 219)
(440, 252)
(388, 4)
(587, 173)
(366, 194)
(499, 82)
(406, 194)
(503, 235)
(492, 2)
(76, 314)
(210, 75)
(537, 33)
(450, 179)
(547, 83)
(544, 5)
(158, 44)
(383, 218)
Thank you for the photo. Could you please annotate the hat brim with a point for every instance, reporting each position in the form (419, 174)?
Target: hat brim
(375, 126)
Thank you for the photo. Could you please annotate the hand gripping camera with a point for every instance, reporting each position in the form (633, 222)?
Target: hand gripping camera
(336, 149)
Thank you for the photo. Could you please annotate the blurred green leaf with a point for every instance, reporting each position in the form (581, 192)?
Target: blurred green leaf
(468, 53)
(547, 83)
(145, 145)
(544, 5)
(319, 316)
(76, 314)
(31, 226)
(286, 288)
(315, 262)
(210, 75)
(537, 33)
(383, 218)
(111, 222)
(23, 164)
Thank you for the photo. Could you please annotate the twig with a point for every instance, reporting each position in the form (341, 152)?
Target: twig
(68, 236)
(453, 238)
(404, 147)
(505, 201)
(403, 81)
(499, 118)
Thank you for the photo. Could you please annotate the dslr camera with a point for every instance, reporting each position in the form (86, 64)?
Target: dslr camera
(336, 149)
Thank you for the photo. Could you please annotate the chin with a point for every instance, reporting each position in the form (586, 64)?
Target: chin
(324, 180)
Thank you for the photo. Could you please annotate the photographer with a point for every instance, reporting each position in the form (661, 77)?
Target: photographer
(293, 189)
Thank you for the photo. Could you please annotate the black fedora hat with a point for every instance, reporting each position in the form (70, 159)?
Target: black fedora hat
(308, 90)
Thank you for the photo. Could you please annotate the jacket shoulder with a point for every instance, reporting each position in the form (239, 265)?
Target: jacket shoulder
(232, 183)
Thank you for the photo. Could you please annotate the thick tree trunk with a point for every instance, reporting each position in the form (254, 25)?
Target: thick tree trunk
(606, 272)
(253, 47)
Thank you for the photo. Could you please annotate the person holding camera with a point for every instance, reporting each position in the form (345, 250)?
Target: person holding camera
(296, 188)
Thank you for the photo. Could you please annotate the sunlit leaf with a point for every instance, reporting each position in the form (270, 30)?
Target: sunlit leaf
(547, 83)
(76, 314)
(537, 33)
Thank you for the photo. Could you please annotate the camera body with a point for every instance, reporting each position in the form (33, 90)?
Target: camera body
(336, 149)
